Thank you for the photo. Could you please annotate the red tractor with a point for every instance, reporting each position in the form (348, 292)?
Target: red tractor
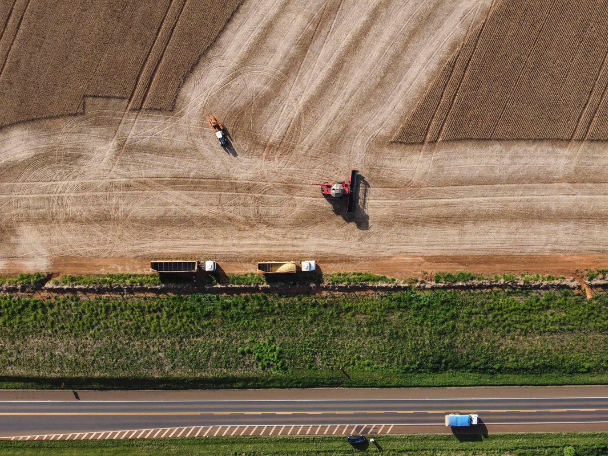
(340, 189)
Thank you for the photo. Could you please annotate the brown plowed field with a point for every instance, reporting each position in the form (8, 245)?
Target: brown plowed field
(53, 53)
(533, 70)
(308, 91)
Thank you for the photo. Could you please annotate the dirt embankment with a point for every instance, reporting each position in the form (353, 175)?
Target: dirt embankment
(401, 267)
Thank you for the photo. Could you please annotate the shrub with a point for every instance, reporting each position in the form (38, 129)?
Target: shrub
(592, 274)
(35, 278)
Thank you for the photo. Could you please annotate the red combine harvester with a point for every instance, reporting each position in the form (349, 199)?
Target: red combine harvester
(339, 189)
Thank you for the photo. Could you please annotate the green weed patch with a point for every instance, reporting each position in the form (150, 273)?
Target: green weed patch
(356, 277)
(246, 279)
(110, 279)
(35, 278)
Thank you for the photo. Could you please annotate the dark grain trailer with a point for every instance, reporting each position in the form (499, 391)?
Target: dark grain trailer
(174, 266)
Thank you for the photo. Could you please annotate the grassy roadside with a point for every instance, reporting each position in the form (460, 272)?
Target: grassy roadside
(591, 444)
(394, 339)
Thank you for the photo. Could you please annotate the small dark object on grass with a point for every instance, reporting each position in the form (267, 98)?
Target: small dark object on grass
(356, 439)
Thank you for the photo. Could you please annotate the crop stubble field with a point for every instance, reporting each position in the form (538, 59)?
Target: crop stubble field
(531, 70)
(308, 91)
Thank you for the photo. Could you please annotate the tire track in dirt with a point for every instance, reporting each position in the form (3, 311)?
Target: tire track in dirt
(422, 156)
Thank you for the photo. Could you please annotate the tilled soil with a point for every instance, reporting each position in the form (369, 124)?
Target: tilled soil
(308, 91)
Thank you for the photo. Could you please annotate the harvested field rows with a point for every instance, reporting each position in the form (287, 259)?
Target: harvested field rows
(200, 23)
(535, 72)
(53, 53)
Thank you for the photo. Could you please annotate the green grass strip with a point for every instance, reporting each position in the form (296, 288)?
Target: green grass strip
(408, 338)
(437, 445)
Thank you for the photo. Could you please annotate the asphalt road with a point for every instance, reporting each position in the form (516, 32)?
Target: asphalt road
(24, 417)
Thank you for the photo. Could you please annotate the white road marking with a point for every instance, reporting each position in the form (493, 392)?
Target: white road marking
(148, 434)
(200, 429)
(207, 431)
(300, 431)
(218, 430)
(180, 434)
(309, 429)
(174, 431)
(225, 431)
(164, 433)
(244, 429)
(263, 430)
(273, 428)
(157, 432)
(190, 432)
(335, 430)
(235, 429)
(281, 431)
(381, 427)
(390, 429)
(291, 430)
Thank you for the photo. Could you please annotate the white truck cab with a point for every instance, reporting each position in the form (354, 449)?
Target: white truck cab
(210, 266)
(308, 266)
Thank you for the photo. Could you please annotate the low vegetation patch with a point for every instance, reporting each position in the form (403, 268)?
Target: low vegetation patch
(356, 277)
(109, 279)
(591, 274)
(246, 279)
(393, 339)
(591, 444)
(451, 277)
(24, 279)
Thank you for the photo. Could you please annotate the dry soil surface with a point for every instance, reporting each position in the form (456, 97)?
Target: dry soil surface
(308, 91)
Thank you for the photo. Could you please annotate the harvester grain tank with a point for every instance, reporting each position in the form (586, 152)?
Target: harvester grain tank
(456, 420)
(340, 189)
(218, 128)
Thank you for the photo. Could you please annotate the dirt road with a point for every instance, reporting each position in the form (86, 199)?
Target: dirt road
(308, 91)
